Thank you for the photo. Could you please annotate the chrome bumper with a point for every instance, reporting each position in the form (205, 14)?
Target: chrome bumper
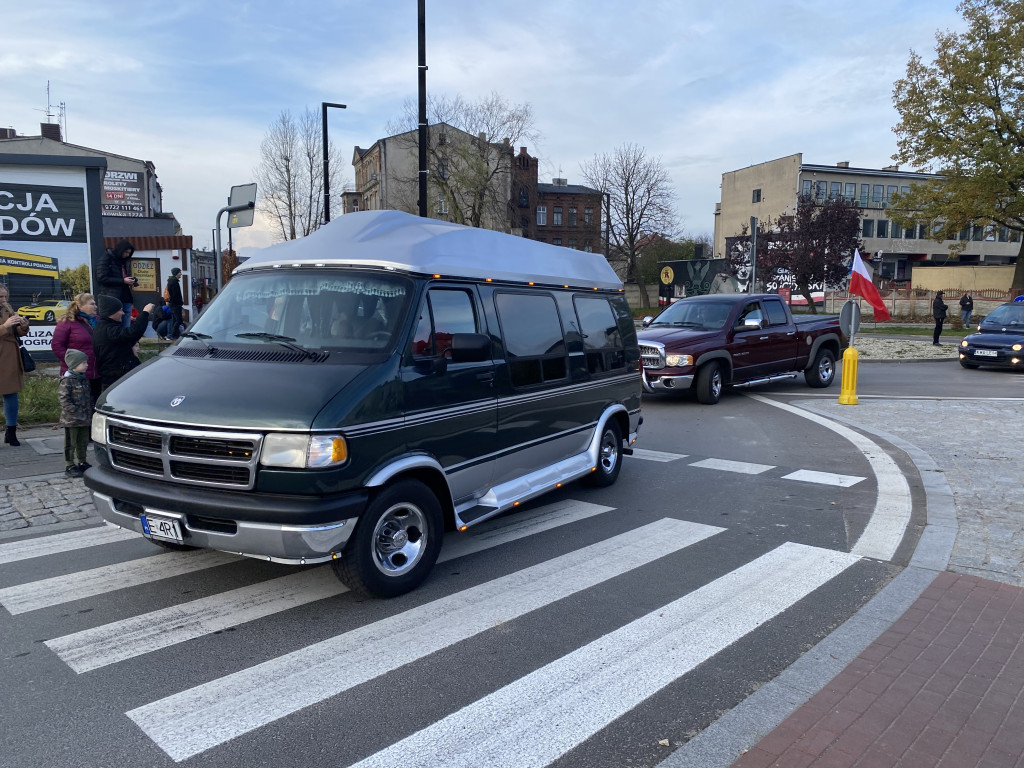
(289, 544)
(666, 383)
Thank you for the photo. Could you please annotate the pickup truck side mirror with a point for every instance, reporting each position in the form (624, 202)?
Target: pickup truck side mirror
(648, 320)
(751, 322)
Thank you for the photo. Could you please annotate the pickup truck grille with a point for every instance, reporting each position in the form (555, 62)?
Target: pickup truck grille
(195, 457)
(652, 353)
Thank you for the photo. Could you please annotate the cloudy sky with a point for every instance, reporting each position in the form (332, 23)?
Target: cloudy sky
(707, 86)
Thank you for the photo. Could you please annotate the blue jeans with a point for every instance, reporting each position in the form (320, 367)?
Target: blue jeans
(11, 409)
(127, 319)
(965, 317)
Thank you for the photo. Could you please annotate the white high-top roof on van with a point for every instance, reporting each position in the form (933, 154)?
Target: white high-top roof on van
(428, 246)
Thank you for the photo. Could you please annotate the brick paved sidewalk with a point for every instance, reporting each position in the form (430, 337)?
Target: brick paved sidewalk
(943, 687)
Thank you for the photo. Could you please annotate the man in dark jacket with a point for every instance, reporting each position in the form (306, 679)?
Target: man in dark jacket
(939, 313)
(113, 343)
(116, 277)
(175, 302)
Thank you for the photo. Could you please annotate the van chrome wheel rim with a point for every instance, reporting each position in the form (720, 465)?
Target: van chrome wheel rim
(609, 452)
(400, 539)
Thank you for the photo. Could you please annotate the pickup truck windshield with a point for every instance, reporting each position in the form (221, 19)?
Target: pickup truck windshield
(702, 315)
(335, 309)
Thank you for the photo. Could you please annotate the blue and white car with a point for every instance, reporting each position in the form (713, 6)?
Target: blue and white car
(999, 341)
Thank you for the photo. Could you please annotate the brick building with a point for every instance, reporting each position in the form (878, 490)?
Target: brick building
(558, 213)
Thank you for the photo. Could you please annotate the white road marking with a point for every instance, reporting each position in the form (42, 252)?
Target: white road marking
(108, 644)
(824, 478)
(197, 719)
(891, 515)
(62, 542)
(742, 467)
(75, 586)
(648, 455)
(571, 699)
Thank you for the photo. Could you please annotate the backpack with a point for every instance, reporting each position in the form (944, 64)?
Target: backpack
(167, 295)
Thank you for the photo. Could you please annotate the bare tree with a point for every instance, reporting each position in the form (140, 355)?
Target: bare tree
(641, 201)
(290, 174)
(470, 169)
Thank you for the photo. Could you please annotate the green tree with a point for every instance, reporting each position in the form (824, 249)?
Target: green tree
(74, 281)
(961, 116)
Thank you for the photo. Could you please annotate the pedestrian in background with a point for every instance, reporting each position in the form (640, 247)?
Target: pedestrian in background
(12, 374)
(116, 277)
(113, 343)
(75, 400)
(966, 308)
(74, 331)
(175, 302)
(939, 313)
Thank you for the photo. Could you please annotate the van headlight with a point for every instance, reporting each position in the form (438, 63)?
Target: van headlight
(678, 361)
(98, 432)
(303, 451)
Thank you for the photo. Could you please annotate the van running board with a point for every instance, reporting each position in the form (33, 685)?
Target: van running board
(765, 380)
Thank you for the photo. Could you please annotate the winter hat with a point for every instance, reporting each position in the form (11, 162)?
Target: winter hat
(108, 305)
(176, 271)
(74, 357)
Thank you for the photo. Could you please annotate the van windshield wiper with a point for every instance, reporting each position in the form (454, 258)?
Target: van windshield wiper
(198, 337)
(284, 341)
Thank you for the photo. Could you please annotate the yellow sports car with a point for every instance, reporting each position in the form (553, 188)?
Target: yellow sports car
(47, 311)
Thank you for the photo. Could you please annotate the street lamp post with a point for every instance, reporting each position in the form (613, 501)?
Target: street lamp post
(327, 171)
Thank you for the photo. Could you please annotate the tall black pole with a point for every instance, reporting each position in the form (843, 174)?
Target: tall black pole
(327, 170)
(423, 105)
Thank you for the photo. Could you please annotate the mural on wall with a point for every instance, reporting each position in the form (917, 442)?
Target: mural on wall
(695, 277)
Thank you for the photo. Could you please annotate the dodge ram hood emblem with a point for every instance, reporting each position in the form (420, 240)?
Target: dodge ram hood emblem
(177, 401)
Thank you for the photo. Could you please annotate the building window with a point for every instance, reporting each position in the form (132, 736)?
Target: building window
(922, 231)
(572, 243)
(851, 191)
(883, 228)
(990, 233)
(1004, 234)
(864, 190)
(442, 170)
(908, 233)
(524, 198)
(756, 197)
(897, 231)
(572, 217)
(588, 247)
(835, 190)
(542, 215)
(557, 241)
(807, 187)
(876, 193)
(889, 192)
(868, 228)
(904, 190)
(556, 216)
(442, 204)
(588, 216)
(979, 232)
(819, 190)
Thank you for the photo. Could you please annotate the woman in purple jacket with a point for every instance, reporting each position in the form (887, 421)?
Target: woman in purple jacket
(74, 331)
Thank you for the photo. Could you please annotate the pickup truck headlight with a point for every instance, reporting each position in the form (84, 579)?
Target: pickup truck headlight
(98, 432)
(303, 451)
(678, 361)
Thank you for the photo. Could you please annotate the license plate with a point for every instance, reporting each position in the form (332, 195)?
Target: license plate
(985, 353)
(158, 527)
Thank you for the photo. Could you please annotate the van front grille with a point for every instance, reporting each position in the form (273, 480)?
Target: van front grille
(208, 447)
(210, 473)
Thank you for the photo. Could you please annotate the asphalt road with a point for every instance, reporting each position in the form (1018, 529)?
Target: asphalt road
(583, 630)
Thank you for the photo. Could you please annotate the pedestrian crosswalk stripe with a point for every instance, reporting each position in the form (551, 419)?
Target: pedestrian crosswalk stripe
(649, 455)
(190, 722)
(64, 589)
(110, 643)
(576, 696)
(742, 467)
(62, 542)
(824, 478)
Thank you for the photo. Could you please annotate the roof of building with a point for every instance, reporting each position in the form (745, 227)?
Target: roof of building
(41, 142)
(566, 189)
(153, 242)
(401, 241)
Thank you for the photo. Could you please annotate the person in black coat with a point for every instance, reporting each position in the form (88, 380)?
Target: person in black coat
(966, 308)
(116, 278)
(939, 309)
(175, 302)
(112, 342)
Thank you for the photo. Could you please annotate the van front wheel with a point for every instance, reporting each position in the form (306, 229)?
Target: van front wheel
(395, 543)
(609, 456)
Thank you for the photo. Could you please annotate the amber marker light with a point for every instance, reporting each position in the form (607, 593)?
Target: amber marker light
(515, 503)
(558, 485)
(489, 280)
(463, 528)
(437, 277)
(530, 283)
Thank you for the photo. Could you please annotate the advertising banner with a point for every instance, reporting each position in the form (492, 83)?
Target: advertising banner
(145, 271)
(124, 194)
(42, 214)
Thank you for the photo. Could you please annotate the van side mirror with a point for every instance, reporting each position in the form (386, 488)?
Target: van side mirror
(470, 347)
(648, 320)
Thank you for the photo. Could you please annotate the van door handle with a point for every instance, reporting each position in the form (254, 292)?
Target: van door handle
(487, 377)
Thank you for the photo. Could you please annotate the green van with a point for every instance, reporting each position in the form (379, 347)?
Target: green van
(349, 396)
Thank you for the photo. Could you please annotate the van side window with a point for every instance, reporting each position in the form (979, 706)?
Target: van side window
(534, 343)
(776, 312)
(602, 339)
(443, 312)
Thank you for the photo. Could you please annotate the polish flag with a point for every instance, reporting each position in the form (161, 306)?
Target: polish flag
(860, 284)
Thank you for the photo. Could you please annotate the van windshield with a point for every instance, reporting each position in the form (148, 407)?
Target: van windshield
(325, 309)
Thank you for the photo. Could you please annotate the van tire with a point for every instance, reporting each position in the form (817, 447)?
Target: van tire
(823, 370)
(710, 382)
(395, 544)
(609, 457)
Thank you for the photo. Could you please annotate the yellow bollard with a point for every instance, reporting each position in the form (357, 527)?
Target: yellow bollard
(848, 394)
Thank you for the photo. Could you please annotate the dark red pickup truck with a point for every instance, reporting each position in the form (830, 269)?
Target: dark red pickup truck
(705, 343)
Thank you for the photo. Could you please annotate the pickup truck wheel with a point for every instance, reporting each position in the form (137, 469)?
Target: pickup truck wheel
(710, 383)
(609, 459)
(822, 371)
(395, 543)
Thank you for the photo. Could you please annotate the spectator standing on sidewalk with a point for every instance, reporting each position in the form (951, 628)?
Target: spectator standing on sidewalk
(116, 278)
(966, 308)
(939, 313)
(113, 343)
(175, 302)
(75, 399)
(74, 331)
(12, 375)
